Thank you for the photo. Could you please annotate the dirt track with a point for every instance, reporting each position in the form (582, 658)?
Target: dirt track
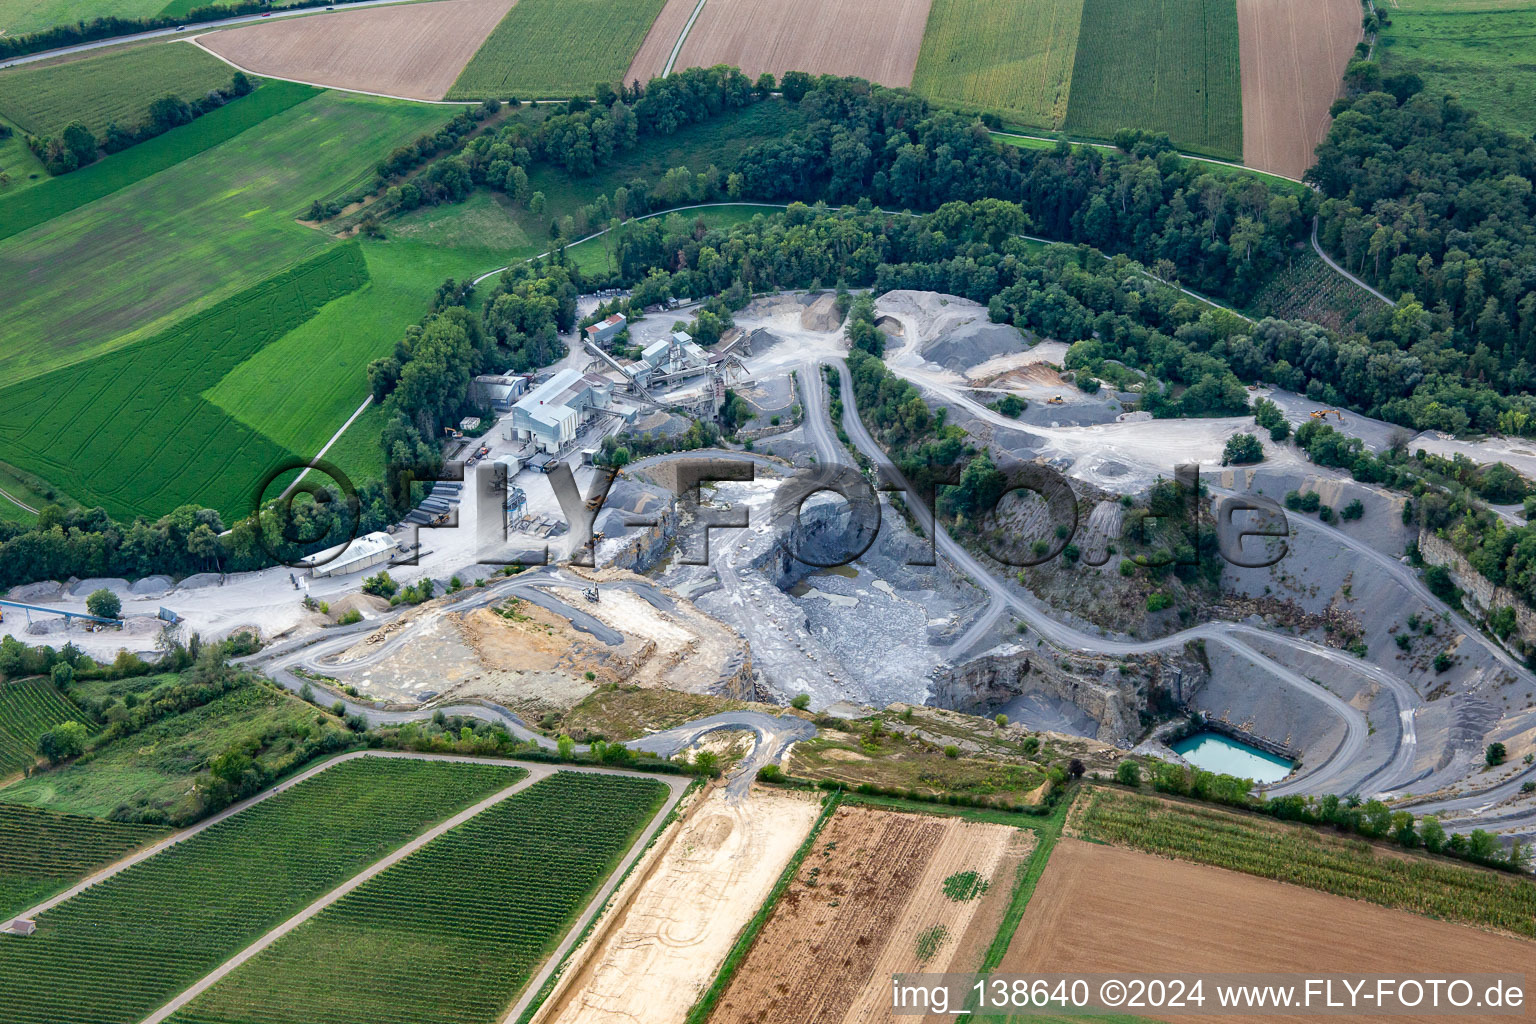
(414, 50)
(1102, 909)
(679, 922)
(792, 35)
(1292, 54)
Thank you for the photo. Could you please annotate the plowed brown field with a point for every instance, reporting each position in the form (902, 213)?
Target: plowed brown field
(1100, 909)
(1292, 54)
(874, 39)
(414, 50)
(872, 887)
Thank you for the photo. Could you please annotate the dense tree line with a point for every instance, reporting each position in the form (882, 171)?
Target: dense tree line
(1430, 203)
(77, 146)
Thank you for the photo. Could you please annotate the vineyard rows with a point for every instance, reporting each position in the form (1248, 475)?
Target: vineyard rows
(451, 934)
(42, 852)
(124, 947)
(28, 709)
(1301, 856)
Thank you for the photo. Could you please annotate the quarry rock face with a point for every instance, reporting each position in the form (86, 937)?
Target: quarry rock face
(1485, 597)
(1113, 698)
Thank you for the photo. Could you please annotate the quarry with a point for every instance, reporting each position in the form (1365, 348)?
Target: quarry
(709, 590)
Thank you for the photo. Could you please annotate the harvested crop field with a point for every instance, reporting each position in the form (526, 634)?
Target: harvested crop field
(874, 39)
(880, 892)
(1100, 909)
(677, 916)
(1293, 54)
(414, 50)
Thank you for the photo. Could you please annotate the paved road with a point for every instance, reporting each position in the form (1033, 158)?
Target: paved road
(1351, 277)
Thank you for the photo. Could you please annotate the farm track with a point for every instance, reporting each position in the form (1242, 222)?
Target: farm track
(8, 496)
(537, 772)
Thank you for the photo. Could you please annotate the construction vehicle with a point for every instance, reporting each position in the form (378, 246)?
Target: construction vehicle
(452, 432)
(1322, 414)
(1055, 400)
(590, 594)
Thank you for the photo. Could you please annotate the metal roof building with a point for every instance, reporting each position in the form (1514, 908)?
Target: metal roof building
(551, 414)
(365, 552)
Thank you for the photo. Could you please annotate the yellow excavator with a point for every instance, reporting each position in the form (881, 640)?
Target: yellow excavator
(1055, 400)
(1322, 414)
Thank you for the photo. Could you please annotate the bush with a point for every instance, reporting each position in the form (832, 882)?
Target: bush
(63, 742)
(801, 701)
(1001, 719)
(1354, 510)
(350, 617)
(104, 604)
(1128, 773)
(951, 751)
(1157, 601)
(1495, 754)
(380, 585)
(1127, 567)
(1242, 449)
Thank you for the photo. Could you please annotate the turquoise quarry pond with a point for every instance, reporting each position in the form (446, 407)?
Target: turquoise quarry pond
(1217, 753)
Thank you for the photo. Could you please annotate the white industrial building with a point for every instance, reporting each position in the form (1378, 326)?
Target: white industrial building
(676, 356)
(552, 414)
(364, 552)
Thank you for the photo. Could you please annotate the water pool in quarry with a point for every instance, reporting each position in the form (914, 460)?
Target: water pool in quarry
(1217, 753)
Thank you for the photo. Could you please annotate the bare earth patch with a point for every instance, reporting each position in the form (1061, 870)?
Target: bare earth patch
(677, 916)
(414, 50)
(869, 900)
(1103, 909)
(1292, 55)
(799, 35)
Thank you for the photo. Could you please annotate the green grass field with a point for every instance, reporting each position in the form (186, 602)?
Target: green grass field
(118, 951)
(29, 708)
(156, 767)
(1481, 50)
(53, 197)
(97, 91)
(131, 430)
(18, 17)
(42, 853)
(20, 169)
(470, 949)
(1163, 65)
(29, 490)
(557, 48)
(198, 232)
(1009, 56)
